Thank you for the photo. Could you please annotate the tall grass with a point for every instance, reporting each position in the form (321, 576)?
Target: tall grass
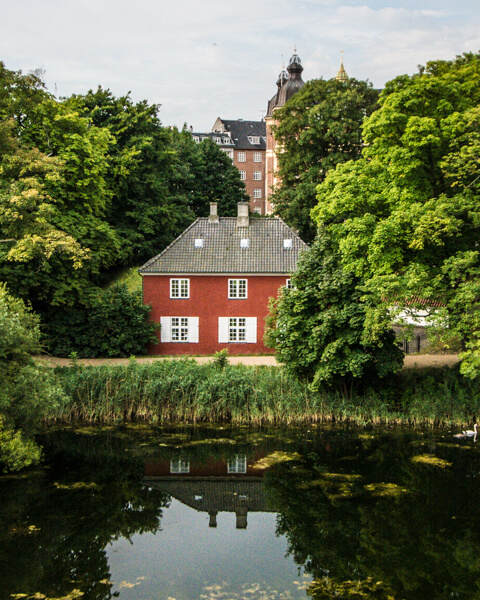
(185, 391)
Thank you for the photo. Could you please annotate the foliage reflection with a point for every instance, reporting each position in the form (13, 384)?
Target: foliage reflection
(368, 514)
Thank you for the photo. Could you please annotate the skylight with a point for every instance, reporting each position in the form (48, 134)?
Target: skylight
(198, 243)
(287, 244)
(244, 243)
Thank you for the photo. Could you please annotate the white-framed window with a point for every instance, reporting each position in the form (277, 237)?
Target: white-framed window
(257, 175)
(179, 329)
(288, 284)
(228, 152)
(257, 209)
(196, 138)
(242, 157)
(257, 157)
(257, 193)
(179, 466)
(237, 288)
(217, 140)
(237, 329)
(254, 139)
(243, 175)
(237, 464)
(179, 288)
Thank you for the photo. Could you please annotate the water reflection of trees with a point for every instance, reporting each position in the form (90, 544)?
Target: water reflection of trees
(399, 510)
(55, 528)
(402, 509)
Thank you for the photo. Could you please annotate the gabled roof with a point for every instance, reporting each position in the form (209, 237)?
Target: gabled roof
(215, 495)
(221, 252)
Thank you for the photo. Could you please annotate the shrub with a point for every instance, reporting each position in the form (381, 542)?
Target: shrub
(115, 324)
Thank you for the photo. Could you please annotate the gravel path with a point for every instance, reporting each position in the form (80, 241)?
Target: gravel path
(411, 360)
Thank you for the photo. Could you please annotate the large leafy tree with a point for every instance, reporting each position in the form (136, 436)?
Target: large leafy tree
(204, 174)
(146, 209)
(407, 214)
(53, 194)
(318, 128)
(217, 180)
(55, 239)
(319, 327)
(27, 392)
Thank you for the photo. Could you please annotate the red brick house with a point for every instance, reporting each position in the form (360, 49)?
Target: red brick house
(209, 289)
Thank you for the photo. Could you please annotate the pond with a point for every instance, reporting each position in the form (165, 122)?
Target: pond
(197, 513)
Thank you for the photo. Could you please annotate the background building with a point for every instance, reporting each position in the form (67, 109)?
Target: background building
(251, 144)
(288, 83)
(244, 142)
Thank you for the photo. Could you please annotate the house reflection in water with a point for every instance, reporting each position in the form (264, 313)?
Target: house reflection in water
(231, 485)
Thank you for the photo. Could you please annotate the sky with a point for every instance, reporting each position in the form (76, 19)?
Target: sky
(203, 59)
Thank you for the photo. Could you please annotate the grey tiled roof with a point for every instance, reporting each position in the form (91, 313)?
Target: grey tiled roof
(215, 495)
(221, 252)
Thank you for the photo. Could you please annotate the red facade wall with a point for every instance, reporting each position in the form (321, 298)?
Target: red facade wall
(209, 301)
(249, 166)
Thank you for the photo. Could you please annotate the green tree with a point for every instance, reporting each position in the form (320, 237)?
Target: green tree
(318, 327)
(217, 180)
(146, 209)
(114, 323)
(27, 392)
(318, 128)
(407, 215)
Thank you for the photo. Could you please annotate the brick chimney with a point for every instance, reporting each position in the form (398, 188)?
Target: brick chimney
(242, 214)
(213, 217)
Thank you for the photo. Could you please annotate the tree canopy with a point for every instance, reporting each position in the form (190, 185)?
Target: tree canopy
(319, 326)
(406, 216)
(27, 392)
(90, 184)
(318, 128)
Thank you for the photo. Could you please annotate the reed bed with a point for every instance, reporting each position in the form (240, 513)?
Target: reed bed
(183, 391)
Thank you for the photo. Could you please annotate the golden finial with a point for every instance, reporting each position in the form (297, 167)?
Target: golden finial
(342, 74)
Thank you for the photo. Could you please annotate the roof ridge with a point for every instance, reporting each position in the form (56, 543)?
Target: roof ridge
(289, 228)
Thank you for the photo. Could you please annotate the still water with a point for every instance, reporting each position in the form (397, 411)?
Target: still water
(211, 513)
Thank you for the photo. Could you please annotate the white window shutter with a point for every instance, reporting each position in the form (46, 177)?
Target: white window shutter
(193, 329)
(222, 330)
(251, 327)
(165, 329)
